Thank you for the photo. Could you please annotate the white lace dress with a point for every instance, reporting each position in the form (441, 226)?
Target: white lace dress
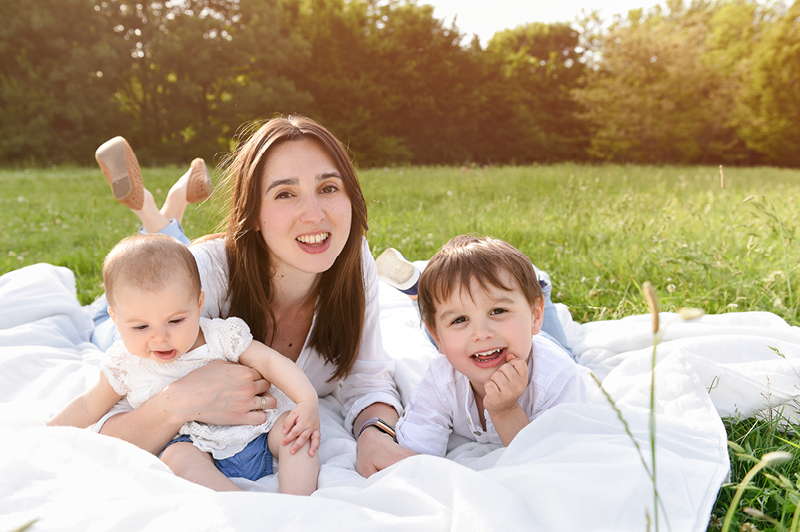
(139, 379)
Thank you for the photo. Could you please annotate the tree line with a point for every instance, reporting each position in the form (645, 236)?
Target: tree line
(699, 82)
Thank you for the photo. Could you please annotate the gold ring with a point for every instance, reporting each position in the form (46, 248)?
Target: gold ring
(263, 403)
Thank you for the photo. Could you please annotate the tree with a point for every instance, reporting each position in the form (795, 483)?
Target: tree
(390, 79)
(653, 98)
(538, 65)
(200, 68)
(770, 108)
(58, 74)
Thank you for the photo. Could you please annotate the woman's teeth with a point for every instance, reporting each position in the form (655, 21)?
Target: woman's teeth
(313, 239)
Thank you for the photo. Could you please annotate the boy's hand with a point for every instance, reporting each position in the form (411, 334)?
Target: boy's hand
(506, 385)
(302, 425)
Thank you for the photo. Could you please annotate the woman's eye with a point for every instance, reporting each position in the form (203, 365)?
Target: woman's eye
(329, 189)
(282, 195)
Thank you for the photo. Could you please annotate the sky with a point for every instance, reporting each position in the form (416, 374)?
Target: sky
(485, 17)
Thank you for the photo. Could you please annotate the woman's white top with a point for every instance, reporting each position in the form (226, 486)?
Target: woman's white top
(372, 377)
(139, 379)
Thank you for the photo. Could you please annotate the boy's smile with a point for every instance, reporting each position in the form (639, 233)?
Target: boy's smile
(477, 328)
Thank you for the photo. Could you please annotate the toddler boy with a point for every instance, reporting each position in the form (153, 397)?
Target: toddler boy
(481, 301)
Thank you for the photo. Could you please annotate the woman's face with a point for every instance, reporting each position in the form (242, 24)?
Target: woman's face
(305, 212)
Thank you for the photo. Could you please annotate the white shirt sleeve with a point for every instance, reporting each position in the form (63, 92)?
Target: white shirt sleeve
(213, 266)
(427, 423)
(372, 378)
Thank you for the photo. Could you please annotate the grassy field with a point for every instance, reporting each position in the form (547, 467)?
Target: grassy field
(600, 231)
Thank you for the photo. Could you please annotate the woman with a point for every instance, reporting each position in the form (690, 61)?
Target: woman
(295, 265)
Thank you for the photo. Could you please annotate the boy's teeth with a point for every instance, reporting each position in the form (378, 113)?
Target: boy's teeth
(488, 353)
(313, 239)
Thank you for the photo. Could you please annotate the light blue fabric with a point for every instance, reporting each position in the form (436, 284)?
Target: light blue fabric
(174, 230)
(551, 325)
(105, 331)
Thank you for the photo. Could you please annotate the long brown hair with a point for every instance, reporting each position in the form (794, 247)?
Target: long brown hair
(341, 302)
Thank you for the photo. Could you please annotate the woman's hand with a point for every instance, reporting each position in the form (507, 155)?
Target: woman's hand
(377, 451)
(301, 425)
(221, 393)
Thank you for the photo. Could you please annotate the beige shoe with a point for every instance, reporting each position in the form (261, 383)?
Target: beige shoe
(199, 185)
(395, 270)
(121, 168)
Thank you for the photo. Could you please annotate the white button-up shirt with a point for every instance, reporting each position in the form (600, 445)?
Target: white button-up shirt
(443, 403)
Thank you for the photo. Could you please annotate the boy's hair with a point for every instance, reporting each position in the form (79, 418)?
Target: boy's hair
(468, 257)
(149, 262)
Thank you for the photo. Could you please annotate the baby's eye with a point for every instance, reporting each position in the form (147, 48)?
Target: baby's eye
(460, 319)
(177, 321)
(139, 328)
(498, 311)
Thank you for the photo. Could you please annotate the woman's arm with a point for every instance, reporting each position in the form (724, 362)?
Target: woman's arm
(87, 409)
(370, 391)
(220, 393)
(377, 450)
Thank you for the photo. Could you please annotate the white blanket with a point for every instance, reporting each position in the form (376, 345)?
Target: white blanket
(573, 468)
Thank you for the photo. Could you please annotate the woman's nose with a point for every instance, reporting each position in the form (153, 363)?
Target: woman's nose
(312, 212)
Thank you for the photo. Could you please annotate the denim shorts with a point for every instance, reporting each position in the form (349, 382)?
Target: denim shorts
(253, 462)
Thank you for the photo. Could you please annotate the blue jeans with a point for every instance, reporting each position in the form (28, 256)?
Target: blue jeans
(105, 331)
(551, 326)
(253, 462)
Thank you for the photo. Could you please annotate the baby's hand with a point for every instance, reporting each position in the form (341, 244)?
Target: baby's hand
(302, 425)
(506, 385)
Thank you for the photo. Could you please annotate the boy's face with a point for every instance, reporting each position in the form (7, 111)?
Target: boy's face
(476, 329)
(162, 325)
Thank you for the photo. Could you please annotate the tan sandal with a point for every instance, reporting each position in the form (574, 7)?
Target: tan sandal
(199, 185)
(121, 168)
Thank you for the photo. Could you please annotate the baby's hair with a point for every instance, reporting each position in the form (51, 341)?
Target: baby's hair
(149, 262)
(468, 257)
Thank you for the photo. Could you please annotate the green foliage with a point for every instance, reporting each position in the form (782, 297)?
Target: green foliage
(770, 501)
(644, 99)
(538, 65)
(693, 82)
(771, 109)
(58, 75)
(199, 68)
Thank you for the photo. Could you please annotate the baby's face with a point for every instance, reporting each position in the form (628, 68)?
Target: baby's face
(161, 325)
(476, 329)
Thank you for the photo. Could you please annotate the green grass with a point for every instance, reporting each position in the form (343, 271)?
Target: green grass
(600, 231)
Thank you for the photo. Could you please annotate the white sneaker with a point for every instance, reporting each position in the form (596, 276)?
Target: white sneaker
(396, 271)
